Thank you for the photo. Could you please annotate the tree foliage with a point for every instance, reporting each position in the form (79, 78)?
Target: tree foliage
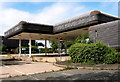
(54, 45)
(82, 39)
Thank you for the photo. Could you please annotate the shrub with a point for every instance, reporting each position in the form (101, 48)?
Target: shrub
(49, 50)
(42, 50)
(92, 53)
(26, 51)
(69, 67)
(4, 49)
(4, 52)
(34, 51)
(117, 57)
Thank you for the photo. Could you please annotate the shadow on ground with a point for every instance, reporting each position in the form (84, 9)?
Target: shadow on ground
(11, 62)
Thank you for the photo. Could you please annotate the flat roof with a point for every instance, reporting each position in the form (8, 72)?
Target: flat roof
(68, 29)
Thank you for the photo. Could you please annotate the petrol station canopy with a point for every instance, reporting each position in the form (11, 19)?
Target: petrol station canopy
(68, 29)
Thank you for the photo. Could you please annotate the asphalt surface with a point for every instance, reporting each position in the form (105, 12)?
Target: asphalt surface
(73, 74)
(98, 66)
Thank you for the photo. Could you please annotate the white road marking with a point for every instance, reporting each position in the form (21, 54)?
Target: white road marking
(102, 71)
(66, 74)
(34, 77)
(15, 66)
(26, 74)
(19, 72)
(6, 66)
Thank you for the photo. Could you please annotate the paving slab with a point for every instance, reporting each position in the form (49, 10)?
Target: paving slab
(26, 69)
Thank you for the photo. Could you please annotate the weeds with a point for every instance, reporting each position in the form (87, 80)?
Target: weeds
(75, 67)
(34, 60)
(46, 61)
(93, 68)
(23, 74)
(40, 59)
(83, 67)
(53, 71)
(57, 60)
(45, 72)
(10, 76)
(101, 69)
(61, 69)
(69, 67)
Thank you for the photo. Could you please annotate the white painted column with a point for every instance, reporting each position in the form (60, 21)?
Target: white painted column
(19, 47)
(45, 47)
(29, 47)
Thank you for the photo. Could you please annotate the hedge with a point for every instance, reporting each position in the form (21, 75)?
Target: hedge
(26, 51)
(3, 52)
(49, 50)
(98, 53)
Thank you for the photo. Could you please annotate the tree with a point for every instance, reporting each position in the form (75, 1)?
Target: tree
(69, 43)
(82, 39)
(39, 44)
(4, 48)
(54, 45)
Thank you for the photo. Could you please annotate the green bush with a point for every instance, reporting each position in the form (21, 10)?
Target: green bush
(3, 52)
(49, 50)
(92, 53)
(118, 57)
(42, 50)
(4, 49)
(34, 49)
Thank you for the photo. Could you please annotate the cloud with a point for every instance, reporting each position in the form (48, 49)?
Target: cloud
(58, 12)
(49, 15)
(59, 0)
(10, 17)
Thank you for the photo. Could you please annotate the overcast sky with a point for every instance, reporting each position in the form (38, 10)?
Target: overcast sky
(12, 13)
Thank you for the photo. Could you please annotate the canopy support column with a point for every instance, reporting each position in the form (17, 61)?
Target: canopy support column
(45, 47)
(29, 48)
(19, 47)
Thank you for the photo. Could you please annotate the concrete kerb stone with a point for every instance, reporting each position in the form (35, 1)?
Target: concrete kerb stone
(63, 66)
(89, 68)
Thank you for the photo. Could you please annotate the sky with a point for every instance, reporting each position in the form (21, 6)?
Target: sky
(11, 13)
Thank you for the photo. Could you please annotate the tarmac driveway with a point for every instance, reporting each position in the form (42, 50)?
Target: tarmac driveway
(74, 74)
(21, 68)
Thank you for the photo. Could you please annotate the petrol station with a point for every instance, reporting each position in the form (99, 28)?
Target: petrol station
(66, 30)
